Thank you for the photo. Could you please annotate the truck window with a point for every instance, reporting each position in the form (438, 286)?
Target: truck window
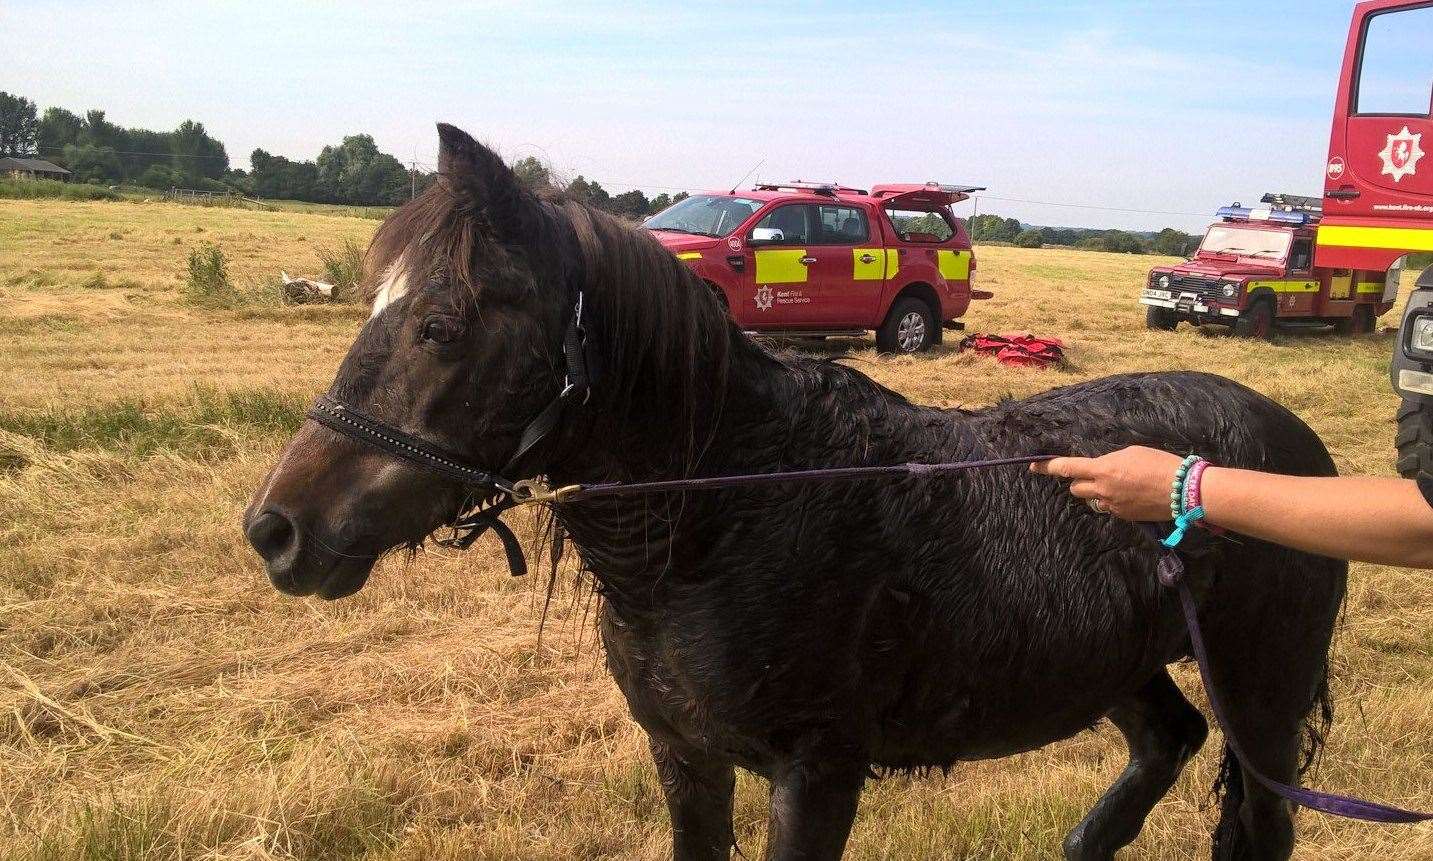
(842, 225)
(1302, 256)
(794, 222)
(1395, 74)
(920, 225)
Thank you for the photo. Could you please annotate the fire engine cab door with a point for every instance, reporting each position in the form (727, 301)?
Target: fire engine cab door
(1389, 133)
(847, 268)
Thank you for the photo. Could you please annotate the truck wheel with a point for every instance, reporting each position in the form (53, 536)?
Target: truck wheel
(1257, 321)
(1360, 322)
(909, 328)
(1159, 318)
(1415, 438)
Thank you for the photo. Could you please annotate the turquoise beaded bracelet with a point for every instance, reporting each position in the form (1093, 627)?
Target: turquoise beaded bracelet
(1176, 491)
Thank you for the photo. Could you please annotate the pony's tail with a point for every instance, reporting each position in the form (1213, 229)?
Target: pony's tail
(1229, 840)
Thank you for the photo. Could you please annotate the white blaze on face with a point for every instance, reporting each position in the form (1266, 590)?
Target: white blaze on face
(392, 288)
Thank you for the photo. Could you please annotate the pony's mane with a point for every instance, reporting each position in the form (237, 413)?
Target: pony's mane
(661, 342)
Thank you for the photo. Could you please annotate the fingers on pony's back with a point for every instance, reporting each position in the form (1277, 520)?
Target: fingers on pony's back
(1066, 467)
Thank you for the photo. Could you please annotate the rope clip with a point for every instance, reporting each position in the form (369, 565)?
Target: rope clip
(534, 491)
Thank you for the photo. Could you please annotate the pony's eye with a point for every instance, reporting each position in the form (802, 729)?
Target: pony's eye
(442, 330)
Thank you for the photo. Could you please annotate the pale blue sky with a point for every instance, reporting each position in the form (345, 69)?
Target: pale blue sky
(1176, 106)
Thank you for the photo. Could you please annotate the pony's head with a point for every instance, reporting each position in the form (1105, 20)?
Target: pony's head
(474, 284)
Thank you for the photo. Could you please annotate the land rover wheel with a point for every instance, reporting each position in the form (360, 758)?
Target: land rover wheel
(1415, 438)
(1256, 321)
(909, 328)
(1163, 319)
(1360, 322)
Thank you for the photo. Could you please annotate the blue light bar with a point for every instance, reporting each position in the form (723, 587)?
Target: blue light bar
(1245, 213)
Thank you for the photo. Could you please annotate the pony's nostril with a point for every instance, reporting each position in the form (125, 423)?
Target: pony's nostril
(272, 535)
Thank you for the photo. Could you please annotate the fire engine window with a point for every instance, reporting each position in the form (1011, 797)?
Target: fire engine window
(793, 221)
(1240, 241)
(920, 225)
(1302, 256)
(842, 225)
(1395, 75)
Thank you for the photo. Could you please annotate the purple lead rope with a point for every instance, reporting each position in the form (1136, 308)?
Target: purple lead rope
(849, 473)
(1171, 575)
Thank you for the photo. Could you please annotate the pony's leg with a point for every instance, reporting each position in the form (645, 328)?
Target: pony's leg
(1163, 731)
(812, 806)
(1268, 651)
(698, 789)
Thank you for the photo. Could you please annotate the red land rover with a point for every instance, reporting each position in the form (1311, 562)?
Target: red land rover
(1255, 267)
(813, 259)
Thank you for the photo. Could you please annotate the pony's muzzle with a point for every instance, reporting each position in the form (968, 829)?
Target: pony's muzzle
(278, 539)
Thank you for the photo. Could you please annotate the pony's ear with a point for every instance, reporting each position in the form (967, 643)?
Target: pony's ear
(485, 182)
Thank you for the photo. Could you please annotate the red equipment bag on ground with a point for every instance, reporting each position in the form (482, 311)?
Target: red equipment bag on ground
(1018, 348)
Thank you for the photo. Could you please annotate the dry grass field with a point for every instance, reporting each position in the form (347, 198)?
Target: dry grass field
(158, 699)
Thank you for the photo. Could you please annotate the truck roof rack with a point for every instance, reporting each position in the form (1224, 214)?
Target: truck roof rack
(1273, 213)
(1295, 202)
(827, 188)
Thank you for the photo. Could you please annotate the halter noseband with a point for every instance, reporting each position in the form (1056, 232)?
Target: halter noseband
(489, 494)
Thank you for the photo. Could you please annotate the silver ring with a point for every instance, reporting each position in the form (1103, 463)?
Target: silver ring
(1098, 505)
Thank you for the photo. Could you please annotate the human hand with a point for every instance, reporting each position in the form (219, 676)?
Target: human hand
(1133, 483)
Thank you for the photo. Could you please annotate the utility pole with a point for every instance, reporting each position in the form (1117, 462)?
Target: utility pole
(412, 180)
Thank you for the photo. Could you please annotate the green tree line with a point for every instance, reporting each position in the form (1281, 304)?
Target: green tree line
(354, 171)
(1168, 242)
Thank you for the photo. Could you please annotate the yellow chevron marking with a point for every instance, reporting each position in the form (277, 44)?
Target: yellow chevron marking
(1400, 238)
(781, 266)
(1285, 286)
(873, 271)
(954, 265)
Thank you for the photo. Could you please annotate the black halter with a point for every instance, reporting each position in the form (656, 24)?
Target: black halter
(489, 494)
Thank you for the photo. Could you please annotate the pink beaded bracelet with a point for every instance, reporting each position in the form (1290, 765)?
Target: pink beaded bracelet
(1192, 497)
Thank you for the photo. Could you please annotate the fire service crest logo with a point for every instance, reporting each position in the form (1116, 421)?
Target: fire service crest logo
(1400, 157)
(763, 298)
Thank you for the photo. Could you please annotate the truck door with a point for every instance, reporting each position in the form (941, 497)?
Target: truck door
(1378, 184)
(847, 269)
(1384, 151)
(783, 269)
(1389, 127)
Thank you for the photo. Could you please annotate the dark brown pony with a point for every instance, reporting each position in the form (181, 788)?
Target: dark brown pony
(813, 634)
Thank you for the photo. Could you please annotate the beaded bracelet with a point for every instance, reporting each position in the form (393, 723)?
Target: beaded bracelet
(1176, 491)
(1192, 492)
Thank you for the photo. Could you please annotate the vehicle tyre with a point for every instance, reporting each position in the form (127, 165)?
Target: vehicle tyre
(1415, 438)
(1163, 319)
(1257, 321)
(1360, 322)
(909, 328)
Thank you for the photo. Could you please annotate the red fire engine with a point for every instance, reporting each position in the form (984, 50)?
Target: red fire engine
(819, 259)
(1256, 266)
(1378, 189)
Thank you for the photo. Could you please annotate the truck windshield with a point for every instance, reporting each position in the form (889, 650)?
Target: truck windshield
(1246, 242)
(704, 215)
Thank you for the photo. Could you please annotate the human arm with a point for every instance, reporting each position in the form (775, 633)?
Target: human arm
(1381, 520)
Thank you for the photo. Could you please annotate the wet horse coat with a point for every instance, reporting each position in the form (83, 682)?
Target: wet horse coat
(810, 633)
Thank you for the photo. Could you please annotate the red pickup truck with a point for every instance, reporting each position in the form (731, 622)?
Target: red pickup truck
(816, 259)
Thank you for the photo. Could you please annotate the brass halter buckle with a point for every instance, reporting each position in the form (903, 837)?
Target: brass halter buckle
(534, 491)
